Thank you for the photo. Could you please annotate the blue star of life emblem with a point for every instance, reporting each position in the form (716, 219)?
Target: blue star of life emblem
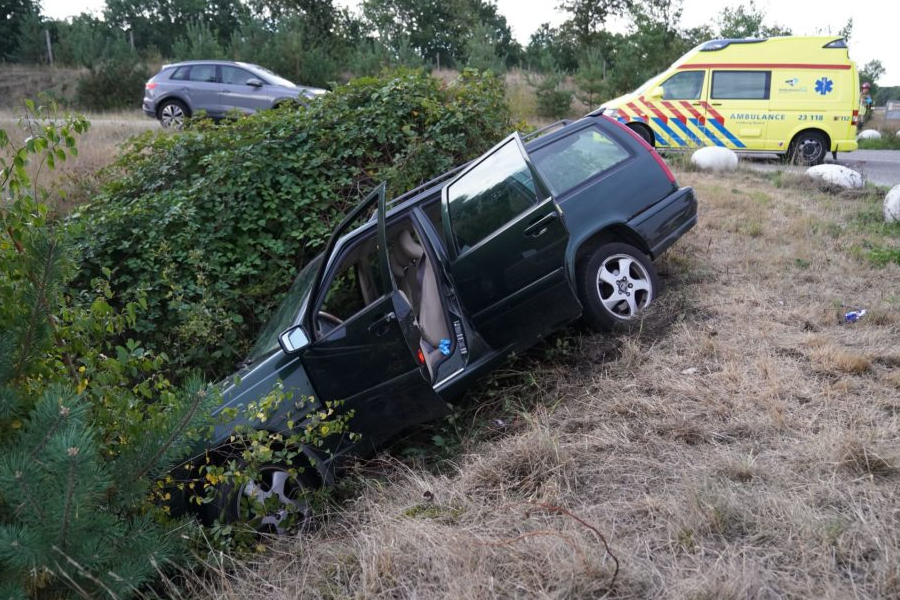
(824, 85)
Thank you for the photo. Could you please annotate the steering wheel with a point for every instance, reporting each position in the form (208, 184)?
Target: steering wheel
(327, 322)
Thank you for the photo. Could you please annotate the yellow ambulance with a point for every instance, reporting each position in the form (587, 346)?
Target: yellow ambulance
(797, 96)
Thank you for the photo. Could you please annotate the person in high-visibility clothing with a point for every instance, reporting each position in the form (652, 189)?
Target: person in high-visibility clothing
(865, 104)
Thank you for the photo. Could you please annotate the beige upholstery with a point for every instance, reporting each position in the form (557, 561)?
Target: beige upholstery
(419, 277)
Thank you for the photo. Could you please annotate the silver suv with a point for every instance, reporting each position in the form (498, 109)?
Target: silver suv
(217, 87)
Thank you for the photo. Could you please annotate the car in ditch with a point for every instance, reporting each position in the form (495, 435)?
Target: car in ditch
(435, 288)
(218, 88)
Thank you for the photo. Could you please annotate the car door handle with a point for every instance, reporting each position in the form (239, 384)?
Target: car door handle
(538, 227)
(717, 104)
(382, 325)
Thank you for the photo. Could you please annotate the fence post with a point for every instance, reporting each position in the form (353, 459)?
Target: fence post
(49, 46)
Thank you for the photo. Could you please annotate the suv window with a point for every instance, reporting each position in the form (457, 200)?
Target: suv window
(686, 85)
(236, 76)
(204, 73)
(571, 160)
(740, 85)
(490, 195)
(181, 74)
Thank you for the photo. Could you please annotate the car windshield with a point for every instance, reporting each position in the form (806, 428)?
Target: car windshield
(288, 313)
(274, 78)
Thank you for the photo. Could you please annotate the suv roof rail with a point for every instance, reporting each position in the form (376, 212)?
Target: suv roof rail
(543, 130)
(426, 185)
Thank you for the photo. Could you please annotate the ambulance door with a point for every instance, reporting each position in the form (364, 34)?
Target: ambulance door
(674, 109)
(737, 109)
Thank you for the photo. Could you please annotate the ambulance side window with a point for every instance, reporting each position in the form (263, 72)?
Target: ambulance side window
(741, 85)
(685, 85)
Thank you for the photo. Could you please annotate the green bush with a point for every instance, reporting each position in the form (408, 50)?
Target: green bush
(553, 102)
(87, 423)
(209, 227)
(114, 83)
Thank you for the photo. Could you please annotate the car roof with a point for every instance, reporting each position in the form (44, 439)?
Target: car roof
(185, 63)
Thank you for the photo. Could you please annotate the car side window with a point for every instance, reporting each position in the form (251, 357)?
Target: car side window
(181, 74)
(492, 194)
(686, 85)
(740, 85)
(356, 283)
(236, 76)
(203, 73)
(570, 160)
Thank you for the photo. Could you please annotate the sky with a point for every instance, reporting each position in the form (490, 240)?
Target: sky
(874, 23)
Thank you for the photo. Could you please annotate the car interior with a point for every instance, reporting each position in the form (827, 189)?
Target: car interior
(357, 284)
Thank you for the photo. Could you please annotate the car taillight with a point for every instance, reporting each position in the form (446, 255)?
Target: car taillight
(855, 119)
(421, 356)
(662, 164)
(151, 85)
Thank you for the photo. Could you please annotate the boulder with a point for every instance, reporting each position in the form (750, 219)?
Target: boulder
(892, 205)
(715, 158)
(836, 176)
(869, 134)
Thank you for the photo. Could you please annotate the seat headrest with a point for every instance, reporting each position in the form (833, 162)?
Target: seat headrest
(410, 247)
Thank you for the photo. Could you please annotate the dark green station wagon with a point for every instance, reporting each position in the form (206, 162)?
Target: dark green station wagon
(439, 285)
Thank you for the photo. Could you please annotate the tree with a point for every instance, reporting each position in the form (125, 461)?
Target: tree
(549, 46)
(589, 16)
(747, 22)
(13, 13)
(80, 445)
(591, 79)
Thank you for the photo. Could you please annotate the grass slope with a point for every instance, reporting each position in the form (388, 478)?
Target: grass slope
(741, 442)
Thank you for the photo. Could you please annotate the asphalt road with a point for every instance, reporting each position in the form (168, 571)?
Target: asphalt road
(881, 167)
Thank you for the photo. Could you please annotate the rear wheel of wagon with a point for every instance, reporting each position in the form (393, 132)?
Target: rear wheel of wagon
(615, 283)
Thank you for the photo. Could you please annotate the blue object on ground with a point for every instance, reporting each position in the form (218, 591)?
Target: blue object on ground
(444, 347)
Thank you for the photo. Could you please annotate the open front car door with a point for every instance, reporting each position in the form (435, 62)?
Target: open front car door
(363, 339)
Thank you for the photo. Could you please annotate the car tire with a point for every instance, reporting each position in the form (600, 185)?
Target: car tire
(615, 283)
(808, 148)
(644, 132)
(173, 114)
(273, 485)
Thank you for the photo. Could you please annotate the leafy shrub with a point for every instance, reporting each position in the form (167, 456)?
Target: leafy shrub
(113, 83)
(209, 226)
(86, 420)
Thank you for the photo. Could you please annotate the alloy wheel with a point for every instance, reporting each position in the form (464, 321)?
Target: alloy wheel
(624, 286)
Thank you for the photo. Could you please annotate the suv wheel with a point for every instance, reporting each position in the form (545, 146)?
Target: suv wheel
(172, 114)
(615, 283)
(808, 148)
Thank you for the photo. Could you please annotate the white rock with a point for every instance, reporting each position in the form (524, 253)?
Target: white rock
(715, 158)
(892, 205)
(869, 134)
(836, 175)
(898, 134)
(691, 371)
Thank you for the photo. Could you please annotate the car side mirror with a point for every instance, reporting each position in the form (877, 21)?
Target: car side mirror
(255, 82)
(656, 92)
(293, 340)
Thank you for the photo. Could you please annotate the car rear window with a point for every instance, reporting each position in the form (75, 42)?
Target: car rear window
(575, 158)
(740, 85)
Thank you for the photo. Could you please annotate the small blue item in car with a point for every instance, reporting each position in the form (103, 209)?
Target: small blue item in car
(444, 347)
(854, 315)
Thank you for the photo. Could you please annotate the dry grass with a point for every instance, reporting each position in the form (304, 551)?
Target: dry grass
(98, 148)
(742, 442)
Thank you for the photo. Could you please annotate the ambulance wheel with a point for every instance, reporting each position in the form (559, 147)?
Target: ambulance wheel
(644, 132)
(808, 148)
